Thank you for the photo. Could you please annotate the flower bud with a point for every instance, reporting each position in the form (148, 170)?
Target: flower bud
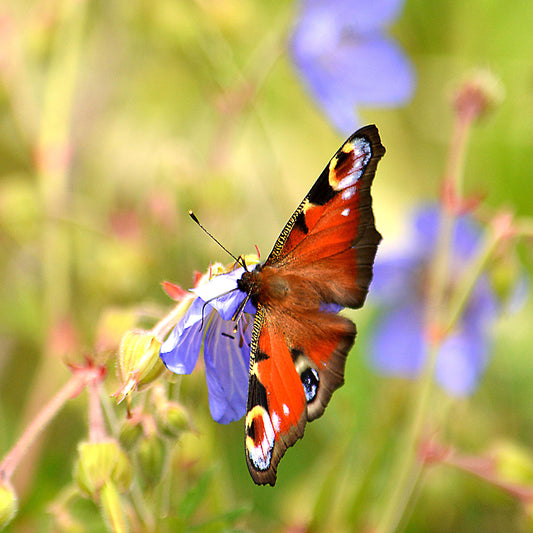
(172, 420)
(100, 463)
(129, 433)
(151, 455)
(139, 361)
(478, 95)
(509, 282)
(513, 463)
(8, 504)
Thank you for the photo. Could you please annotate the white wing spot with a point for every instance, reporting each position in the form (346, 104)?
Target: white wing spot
(276, 421)
(346, 212)
(349, 180)
(286, 409)
(348, 193)
(362, 152)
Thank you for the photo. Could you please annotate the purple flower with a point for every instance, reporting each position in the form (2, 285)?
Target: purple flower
(345, 58)
(207, 325)
(400, 286)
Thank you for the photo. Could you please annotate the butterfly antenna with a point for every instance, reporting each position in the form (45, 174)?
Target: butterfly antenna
(237, 259)
(206, 303)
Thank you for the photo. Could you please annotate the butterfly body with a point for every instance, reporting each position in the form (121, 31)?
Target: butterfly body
(321, 262)
(277, 287)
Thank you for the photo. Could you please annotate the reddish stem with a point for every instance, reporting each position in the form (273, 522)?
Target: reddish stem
(71, 389)
(483, 468)
(452, 187)
(431, 452)
(97, 432)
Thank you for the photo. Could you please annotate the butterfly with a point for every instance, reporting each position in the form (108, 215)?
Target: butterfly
(322, 261)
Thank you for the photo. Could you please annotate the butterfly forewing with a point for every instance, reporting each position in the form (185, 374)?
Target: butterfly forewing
(322, 258)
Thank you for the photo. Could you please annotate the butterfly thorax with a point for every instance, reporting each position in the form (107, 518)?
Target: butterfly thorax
(265, 285)
(279, 290)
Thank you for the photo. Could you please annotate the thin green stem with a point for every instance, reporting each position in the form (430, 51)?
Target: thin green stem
(53, 154)
(407, 471)
(408, 468)
(163, 327)
(143, 509)
(466, 285)
(445, 318)
(112, 508)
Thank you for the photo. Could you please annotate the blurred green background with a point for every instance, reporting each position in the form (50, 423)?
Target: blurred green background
(116, 118)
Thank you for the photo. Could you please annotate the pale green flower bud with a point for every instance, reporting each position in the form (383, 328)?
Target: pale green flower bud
(130, 431)
(100, 463)
(139, 361)
(172, 420)
(151, 457)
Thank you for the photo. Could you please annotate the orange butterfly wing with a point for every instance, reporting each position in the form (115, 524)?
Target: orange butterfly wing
(324, 255)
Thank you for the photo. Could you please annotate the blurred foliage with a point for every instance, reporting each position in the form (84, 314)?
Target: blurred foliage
(116, 118)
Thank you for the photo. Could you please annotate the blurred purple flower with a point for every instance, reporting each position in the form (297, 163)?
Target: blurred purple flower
(346, 60)
(207, 325)
(400, 286)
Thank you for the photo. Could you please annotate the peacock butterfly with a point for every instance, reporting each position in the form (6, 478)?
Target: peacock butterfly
(322, 261)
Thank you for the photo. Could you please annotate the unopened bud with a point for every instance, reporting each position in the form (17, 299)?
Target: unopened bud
(99, 463)
(478, 95)
(151, 456)
(509, 282)
(139, 361)
(172, 420)
(129, 433)
(8, 504)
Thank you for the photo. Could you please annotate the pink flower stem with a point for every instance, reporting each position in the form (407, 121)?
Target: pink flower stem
(432, 452)
(97, 431)
(453, 177)
(483, 468)
(71, 389)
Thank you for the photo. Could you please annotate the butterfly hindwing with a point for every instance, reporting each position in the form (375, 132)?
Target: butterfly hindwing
(321, 262)
(275, 417)
(296, 367)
